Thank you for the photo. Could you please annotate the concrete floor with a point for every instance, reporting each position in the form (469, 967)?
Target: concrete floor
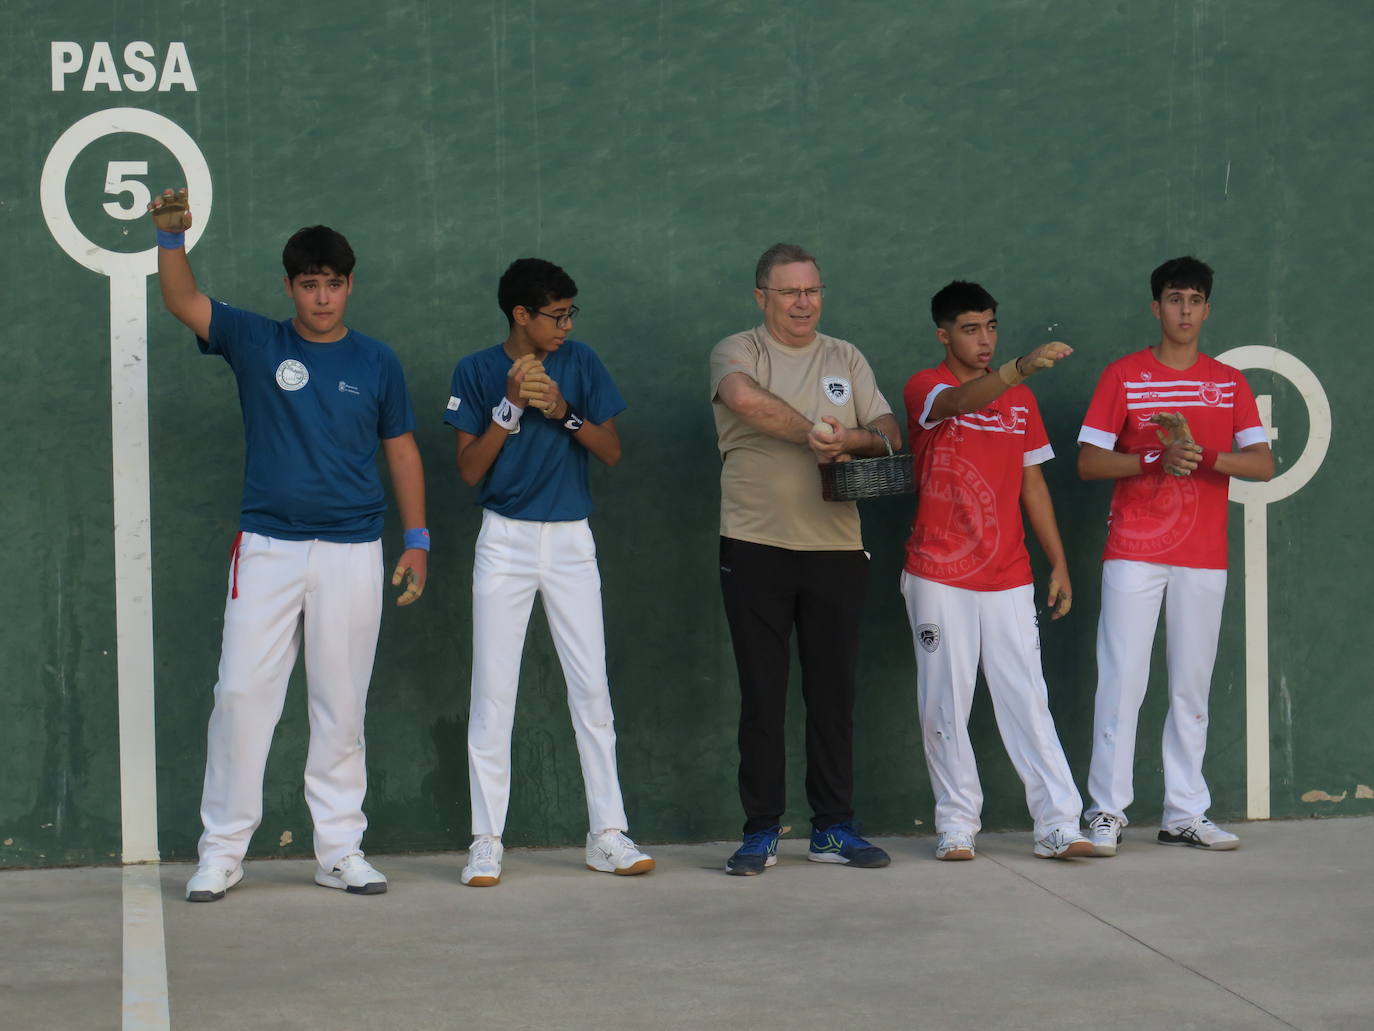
(1278, 934)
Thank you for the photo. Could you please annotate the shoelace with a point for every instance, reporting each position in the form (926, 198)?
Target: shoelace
(846, 832)
(613, 841)
(1102, 821)
(481, 851)
(758, 841)
(954, 842)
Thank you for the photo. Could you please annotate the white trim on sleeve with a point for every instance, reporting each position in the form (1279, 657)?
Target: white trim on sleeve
(1041, 454)
(924, 420)
(1252, 435)
(1099, 438)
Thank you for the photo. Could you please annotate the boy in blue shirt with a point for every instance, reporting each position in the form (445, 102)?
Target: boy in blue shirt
(306, 568)
(527, 412)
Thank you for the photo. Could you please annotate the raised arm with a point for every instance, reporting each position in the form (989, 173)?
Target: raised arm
(981, 391)
(172, 216)
(1035, 499)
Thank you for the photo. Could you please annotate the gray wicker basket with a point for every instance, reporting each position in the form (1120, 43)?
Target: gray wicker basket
(886, 476)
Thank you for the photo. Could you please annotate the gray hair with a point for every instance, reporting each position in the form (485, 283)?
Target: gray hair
(780, 254)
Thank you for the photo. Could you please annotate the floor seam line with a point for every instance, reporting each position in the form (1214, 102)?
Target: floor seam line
(1143, 944)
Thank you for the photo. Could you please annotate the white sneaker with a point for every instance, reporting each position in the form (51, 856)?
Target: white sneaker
(354, 874)
(954, 846)
(1199, 832)
(209, 883)
(1104, 831)
(1063, 843)
(612, 851)
(484, 862)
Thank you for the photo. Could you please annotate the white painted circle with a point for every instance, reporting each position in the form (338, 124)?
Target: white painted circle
(53, 186)
(1295, 477)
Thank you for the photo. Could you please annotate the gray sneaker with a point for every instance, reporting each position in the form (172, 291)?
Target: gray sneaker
(1104, 831)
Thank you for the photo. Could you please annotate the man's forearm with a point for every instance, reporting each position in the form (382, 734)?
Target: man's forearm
(770, 414)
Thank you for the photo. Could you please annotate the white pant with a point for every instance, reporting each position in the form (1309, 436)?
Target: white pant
(951, 627)
(1131, 593)
(514, 559)
(330, 595)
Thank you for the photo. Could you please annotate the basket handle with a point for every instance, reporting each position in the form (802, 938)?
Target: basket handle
(874, 429)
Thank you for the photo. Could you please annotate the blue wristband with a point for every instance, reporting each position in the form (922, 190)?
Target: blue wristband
(171, 241)
(417, 539)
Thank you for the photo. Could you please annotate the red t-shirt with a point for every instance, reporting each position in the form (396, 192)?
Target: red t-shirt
(967, 531)
(1155, 517)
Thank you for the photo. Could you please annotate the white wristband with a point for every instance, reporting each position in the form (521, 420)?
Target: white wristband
(507, 415)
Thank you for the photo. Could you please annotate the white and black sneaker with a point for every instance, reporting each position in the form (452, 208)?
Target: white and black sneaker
(612, 851)
(354, 874)
(209, 883)
(1199, 832)
(1104, 831)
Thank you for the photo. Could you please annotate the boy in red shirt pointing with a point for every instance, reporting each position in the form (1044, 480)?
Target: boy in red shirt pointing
(977, 442)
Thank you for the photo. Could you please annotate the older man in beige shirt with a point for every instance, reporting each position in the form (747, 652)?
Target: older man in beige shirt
(786, 398)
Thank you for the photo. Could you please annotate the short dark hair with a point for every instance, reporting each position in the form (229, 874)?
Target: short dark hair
(314, 249)
(780, 254)
(1186, 273)
(531, 283)
(958, 297)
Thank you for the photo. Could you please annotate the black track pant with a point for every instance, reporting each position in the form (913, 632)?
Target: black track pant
(767, 591)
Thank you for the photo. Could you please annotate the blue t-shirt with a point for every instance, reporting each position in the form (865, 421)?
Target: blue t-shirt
(540, 473)
(313, 415)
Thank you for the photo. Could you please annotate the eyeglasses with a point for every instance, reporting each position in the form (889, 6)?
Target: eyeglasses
(791, 293)
(561, 321)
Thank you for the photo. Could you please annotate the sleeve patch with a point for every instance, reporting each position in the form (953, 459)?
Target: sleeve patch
(453, 403)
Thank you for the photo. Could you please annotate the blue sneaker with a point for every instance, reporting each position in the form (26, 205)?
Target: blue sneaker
(760, 850)
(840, 843)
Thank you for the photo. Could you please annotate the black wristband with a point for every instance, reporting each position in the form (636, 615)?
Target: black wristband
(572, 422)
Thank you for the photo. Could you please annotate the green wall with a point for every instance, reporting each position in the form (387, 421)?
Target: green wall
(1055, 151)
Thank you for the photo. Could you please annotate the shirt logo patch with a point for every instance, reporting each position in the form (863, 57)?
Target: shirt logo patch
(837, 390)
(453, 404)
(1211, 394)
(929, 636)
(348, 388)
(292, 375)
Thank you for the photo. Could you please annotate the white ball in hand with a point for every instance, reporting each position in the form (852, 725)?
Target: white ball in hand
(823, 429)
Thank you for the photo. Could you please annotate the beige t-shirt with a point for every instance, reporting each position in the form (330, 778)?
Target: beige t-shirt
(770, 489)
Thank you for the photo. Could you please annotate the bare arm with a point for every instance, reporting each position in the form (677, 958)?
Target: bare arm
(476, 454)
(1097, 463)
(601, 439)
(863, 441)
(1255, 462)
(764, 411)
(981, 391)
(408, 483)
(172, 213)
(1035, 499)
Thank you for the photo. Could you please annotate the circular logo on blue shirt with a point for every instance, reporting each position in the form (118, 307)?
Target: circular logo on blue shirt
(292, 375)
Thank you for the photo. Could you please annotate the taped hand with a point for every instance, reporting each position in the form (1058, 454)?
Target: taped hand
(411, 572)
(172, 211)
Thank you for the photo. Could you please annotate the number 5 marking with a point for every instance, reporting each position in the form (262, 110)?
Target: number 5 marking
(115, 183)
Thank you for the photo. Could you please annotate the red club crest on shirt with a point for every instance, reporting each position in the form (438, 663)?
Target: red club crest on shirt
(1007, 420)
(1151, 514)
(1211, 394)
